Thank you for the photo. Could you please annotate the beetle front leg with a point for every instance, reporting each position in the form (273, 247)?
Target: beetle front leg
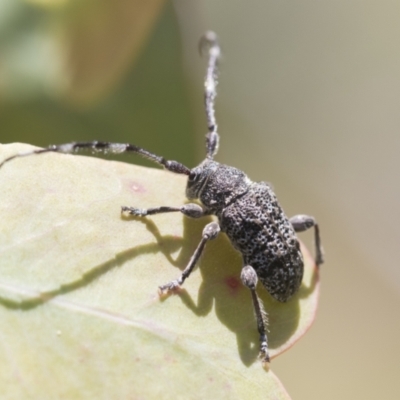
(191, 210)
(210, 232)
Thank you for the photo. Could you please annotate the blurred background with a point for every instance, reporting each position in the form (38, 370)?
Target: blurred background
(308, 99)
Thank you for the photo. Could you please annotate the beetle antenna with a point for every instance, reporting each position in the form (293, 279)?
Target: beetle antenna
(107, 148)
(209, 41)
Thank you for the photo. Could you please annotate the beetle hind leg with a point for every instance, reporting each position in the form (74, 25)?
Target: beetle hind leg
(302, 223)
(249, 279)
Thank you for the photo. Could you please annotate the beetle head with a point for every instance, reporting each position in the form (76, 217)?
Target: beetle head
(216, 185)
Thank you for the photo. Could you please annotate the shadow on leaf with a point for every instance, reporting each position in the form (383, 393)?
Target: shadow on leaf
(220, 268)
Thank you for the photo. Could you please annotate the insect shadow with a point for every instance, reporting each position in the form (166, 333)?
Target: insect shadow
(220, 287)
(166, 245)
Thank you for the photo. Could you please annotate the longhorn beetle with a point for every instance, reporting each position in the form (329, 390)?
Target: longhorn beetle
(248, 212)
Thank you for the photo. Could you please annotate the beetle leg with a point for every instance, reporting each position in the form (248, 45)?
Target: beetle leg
(301, 223)
(191, 210)
(210, 232)
(249, 279)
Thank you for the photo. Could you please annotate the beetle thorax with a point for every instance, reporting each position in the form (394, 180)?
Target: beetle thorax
(216, 185)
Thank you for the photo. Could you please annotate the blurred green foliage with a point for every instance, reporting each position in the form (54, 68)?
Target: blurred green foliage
(147, 105)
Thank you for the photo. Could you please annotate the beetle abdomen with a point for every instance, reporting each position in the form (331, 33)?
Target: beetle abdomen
(257, 227)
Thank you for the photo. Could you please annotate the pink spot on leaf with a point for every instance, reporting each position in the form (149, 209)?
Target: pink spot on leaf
(233, 284)
(136, 187)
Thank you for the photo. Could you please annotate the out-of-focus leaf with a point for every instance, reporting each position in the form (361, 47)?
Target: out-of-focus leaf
(103, 40)
(80, 316)
(150, 106)
(73, 49)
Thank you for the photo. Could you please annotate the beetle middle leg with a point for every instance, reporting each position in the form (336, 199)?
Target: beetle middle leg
(210, 232)
(249, 279)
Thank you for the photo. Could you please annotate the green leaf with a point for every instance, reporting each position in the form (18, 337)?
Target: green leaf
(75, 50)
(80, 313)
(103, 38)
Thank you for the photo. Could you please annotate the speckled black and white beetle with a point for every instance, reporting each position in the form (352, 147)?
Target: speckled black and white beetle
(248, 212)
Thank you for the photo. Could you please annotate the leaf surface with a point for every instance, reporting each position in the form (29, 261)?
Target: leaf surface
(80, 314)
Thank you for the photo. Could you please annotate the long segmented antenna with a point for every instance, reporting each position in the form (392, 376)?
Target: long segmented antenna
(209, 41)
(106, 147)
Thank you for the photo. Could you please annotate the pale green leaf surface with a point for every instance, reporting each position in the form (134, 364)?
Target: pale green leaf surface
(80, 315)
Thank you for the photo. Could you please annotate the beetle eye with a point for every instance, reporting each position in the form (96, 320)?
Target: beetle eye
(192, 176)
